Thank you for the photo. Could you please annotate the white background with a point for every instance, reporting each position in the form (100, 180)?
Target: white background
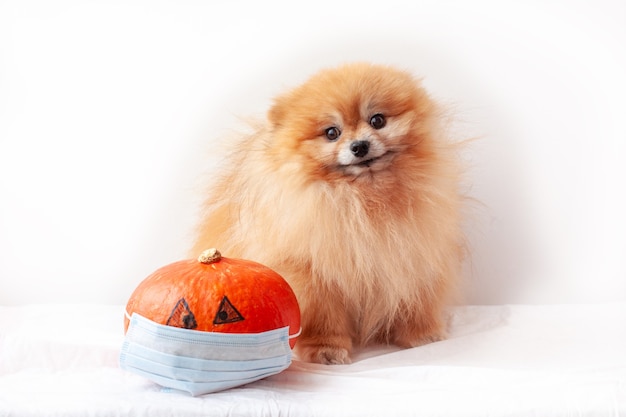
(110, 113)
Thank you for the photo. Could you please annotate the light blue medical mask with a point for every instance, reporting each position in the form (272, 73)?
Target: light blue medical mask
(202, 362)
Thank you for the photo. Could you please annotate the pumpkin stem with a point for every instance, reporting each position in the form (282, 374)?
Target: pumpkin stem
(210, 256)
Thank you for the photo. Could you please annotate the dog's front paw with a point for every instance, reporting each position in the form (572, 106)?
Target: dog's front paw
(411, 341)
(408, 339)
(327, 355)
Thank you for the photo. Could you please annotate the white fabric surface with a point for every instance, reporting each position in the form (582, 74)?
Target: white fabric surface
(62, 360)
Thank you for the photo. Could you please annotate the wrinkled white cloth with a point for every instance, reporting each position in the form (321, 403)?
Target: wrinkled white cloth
(554, 360)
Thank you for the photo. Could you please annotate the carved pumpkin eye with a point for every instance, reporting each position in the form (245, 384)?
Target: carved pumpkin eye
(227, 313)
(332, 133)
(378, 121)
(182, 316)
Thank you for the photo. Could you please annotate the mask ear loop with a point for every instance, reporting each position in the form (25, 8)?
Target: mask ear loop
(126, 314)
(291, 336)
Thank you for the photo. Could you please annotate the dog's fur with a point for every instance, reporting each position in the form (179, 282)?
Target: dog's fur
(371, 247)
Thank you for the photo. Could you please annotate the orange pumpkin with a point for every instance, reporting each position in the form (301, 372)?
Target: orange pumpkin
(217, 294)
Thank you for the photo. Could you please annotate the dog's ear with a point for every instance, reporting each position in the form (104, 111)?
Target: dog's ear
(277, 112)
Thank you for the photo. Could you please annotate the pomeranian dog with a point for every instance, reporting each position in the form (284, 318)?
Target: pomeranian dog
(351, 192)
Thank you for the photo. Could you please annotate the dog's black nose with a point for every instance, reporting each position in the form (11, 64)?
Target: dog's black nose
(360, 148)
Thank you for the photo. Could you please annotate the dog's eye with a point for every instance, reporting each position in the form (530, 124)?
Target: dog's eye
(378, 121)
(332, 133)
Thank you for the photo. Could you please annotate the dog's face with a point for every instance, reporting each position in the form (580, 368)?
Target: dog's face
(350, 122)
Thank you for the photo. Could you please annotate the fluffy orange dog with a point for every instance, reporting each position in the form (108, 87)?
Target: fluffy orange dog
(350, 191)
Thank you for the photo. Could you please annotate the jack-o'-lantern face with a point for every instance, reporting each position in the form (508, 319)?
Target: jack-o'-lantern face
(183, 317)
(227, 295)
